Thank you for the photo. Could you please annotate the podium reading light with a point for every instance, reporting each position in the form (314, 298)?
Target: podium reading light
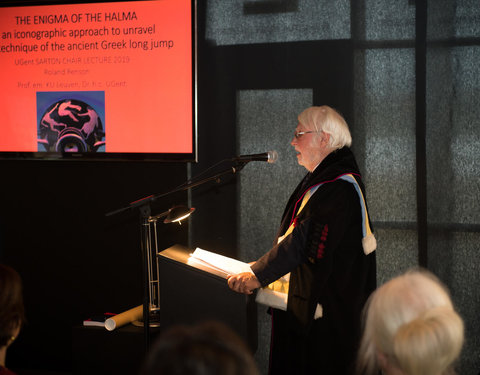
(174, 215)
(177, 214)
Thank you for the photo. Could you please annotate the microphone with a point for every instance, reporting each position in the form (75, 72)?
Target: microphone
(270, 157)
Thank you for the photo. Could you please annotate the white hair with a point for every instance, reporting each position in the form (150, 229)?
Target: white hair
(328, 120)
(411, 322)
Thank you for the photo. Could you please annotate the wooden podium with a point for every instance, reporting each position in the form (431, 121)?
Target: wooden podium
(190, 295)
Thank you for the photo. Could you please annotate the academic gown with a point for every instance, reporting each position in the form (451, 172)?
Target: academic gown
(328, 267)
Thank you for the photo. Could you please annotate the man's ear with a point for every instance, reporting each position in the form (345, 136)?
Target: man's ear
(325, 139)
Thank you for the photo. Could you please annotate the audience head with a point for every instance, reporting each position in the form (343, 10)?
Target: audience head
(411, 328)
(11, 305)
(210, 348)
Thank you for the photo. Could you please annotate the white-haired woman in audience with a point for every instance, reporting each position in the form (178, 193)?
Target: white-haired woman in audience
(410, 328)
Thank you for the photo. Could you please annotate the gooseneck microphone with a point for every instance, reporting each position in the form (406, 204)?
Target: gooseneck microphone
(269, 157)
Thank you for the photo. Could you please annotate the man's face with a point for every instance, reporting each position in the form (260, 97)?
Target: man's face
(309, 146)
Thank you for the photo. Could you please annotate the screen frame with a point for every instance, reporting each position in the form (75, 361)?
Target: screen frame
(117, 156)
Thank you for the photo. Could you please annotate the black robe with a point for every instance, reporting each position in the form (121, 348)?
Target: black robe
(328, 266)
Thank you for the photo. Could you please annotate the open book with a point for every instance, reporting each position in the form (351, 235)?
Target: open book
(223, 266)
(217, 264)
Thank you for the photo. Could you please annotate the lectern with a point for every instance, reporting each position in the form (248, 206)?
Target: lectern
(189, 294)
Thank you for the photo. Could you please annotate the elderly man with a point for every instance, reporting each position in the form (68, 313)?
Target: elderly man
(325, 247)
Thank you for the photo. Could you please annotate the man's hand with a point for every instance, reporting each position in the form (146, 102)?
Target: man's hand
(244, 282)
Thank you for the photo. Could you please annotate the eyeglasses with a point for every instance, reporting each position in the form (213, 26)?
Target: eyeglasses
(298, 134)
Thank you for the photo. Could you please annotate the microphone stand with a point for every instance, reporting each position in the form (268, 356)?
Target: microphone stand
(142, 201)
(144, 208)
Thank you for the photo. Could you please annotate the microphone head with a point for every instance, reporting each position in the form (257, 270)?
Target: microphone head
(272, 156)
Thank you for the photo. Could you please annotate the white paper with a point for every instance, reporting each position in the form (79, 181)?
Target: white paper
(271, 298)
(217, 262)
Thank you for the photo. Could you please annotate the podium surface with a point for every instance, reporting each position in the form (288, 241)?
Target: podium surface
(191, 295)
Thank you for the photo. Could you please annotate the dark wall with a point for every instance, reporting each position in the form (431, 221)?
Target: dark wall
(75, 261)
